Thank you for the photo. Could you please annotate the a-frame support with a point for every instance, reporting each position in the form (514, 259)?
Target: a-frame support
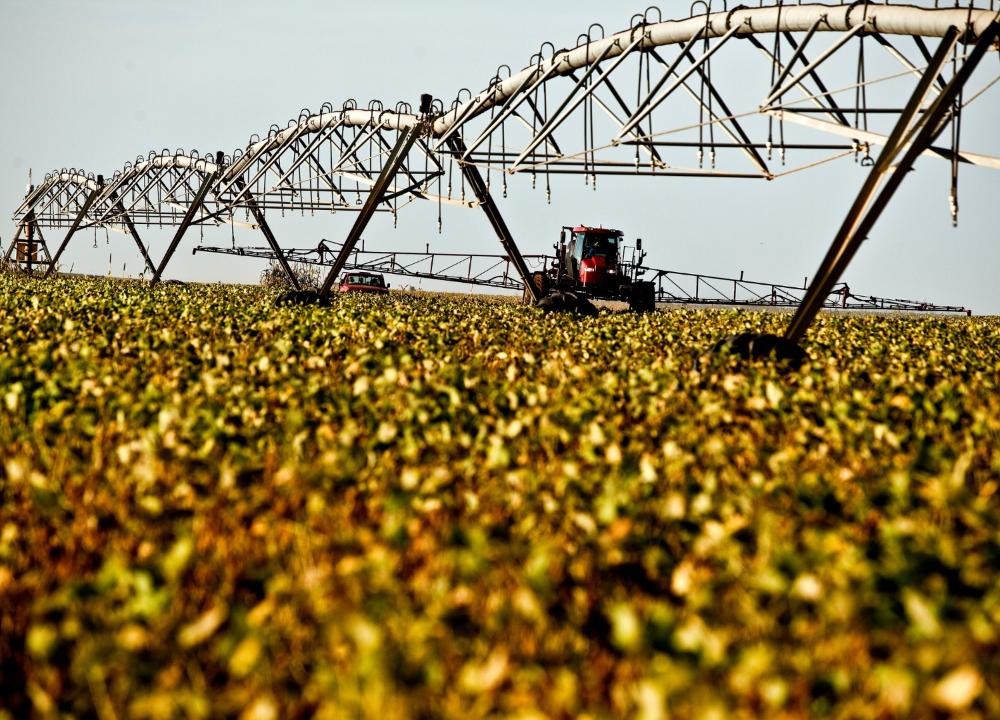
(34, 245)
(397, 157)
(272, 241)
(870, 203)
(77, 222)
(130, 227)
(196, 204)
(478, 185)
(138, 240)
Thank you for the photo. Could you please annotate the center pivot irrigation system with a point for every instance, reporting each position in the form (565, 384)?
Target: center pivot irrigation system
(880, 83)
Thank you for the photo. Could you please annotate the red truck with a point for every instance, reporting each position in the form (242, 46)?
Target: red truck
(360, 281)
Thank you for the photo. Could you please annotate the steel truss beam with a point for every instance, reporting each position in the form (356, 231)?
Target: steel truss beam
(507, 94)
(493, 271)
(889, 19)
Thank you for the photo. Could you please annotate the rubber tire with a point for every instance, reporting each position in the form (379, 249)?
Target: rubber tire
(756, 346)
(300, 297)
(539, 280)
(566, 301)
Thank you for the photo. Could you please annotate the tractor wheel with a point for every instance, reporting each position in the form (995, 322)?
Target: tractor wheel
(300, 297)
(538, 279)
(566, 301)
(642, 297)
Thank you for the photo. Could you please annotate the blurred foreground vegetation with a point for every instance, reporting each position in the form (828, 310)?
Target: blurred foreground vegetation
(439, 507)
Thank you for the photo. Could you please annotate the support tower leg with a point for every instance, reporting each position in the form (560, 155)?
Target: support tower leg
(272, 241)
(77, 222)
(13, 243)
(196, 204)
(870, 203)
(475, 180)
(397, 157)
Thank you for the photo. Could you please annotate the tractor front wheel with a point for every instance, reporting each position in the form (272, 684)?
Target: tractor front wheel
(541, 284)
(567, 301)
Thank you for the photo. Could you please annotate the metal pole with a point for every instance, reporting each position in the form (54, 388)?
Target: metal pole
(255, 210)
(861, 217)
(392, 164)
(196, 203)
(478, 185)
(77, 221)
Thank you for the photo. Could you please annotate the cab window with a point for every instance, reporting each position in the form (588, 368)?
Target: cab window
(579, 241)
(601, 245)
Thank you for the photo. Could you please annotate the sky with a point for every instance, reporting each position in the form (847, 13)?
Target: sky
(93, 84)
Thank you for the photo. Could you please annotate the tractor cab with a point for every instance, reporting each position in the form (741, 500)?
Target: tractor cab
(590, 255)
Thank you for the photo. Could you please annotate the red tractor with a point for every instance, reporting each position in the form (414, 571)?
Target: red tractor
(590, 265)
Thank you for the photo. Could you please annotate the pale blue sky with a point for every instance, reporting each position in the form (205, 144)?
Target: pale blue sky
(93, 84)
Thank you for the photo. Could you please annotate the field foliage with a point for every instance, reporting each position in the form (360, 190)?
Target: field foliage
(438, 507)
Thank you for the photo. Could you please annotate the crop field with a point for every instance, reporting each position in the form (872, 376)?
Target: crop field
(418, 506)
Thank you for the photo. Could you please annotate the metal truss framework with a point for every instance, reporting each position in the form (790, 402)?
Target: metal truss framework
(660, 98)
(498, 272)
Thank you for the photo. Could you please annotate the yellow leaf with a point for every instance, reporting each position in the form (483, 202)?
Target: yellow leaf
(957, 690)
(203, 628)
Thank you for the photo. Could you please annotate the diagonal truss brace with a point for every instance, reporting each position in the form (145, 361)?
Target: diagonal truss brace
(778, 92)
(868, 206)
(392, 164)
(189, 216)
(29, 227)
(119, 207)
(261, 221)
(568, 105)
(13, 243)
(737, 133)
(482, 192)
(77, 222)
(648, 105)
